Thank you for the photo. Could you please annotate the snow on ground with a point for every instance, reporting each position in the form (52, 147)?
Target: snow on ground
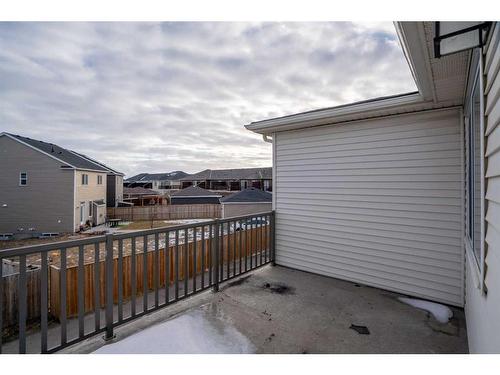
(190, 333)
(186, 221)
(442, 313)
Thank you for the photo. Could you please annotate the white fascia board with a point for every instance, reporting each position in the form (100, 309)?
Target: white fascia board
(336, 114)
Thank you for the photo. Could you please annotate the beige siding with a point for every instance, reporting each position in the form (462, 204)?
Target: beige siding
(377, 202)
(88, 193)
(482, 311)
(46, 203)
(235, 209)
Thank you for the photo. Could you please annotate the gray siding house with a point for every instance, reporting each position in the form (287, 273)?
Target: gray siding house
(230, 179)
(403, 192)
(48, 189)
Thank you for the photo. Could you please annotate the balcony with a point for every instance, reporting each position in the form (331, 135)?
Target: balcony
(256, 307)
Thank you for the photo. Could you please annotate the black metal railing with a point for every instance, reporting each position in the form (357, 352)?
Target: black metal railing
(60, 293)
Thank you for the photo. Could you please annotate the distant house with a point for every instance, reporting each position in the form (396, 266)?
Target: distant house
(159, 182)
(246, 202)
(47, 188)
(114, 183)
(230, 179)
(139, 196)
(194, 195)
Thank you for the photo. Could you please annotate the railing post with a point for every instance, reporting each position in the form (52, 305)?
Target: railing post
(216, 262)
(109, 287)
(273, 238)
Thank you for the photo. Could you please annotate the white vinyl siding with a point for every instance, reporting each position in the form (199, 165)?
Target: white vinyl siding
(482, 309)
(377, 202)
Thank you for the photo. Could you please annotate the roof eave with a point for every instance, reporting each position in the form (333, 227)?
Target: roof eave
(334, 115)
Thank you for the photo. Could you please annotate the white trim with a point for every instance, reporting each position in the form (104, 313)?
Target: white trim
(482, 168)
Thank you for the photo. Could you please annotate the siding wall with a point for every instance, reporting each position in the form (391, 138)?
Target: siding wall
(377, 202)
(45, 204)
(483, 311)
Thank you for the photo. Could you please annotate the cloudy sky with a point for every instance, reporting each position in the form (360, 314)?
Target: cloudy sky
(146, 97)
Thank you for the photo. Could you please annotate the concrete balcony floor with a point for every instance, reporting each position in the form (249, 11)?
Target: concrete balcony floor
(279, 310)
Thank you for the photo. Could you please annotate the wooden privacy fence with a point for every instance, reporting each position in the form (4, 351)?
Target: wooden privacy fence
(253, 241)
(165, 212)
(11, 297)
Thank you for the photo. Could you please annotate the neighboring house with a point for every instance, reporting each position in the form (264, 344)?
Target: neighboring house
(246, 202)
(403, 192)
(194, 195)
(48, 189)
(230, 179)
(139, 196)
(114, 183)
(159, 182)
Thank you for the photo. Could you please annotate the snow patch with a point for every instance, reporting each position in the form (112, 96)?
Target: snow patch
(440, 312)
(191, 333)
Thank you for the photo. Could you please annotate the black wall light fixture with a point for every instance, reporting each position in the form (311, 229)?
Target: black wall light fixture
(452, 37)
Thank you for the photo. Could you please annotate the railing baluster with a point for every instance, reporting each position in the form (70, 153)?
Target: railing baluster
(251, 243)
(43, 302)
(210, 254)
(195, 268)
(133, 267)
(176, 264)
(22, 304)
(216, 256)
(109, 286)
(167, 267)
(228, 251)
(157, 270)
(261, 238)
(97, 288)
(62, 289)
(145, 286)
(234, 248)
(1, 303)
(266, 242)
(81, 293)
(120, 280)
(202, 256)
(273, 238)
(246, 245)
(186, 262)
(241, 243)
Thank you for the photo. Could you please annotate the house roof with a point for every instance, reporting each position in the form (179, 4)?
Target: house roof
(231, 174)
(249, 195)
(71, 158)
(138, 191)
(110, 170)
(440, 82)
(167, 176)
(194, 191)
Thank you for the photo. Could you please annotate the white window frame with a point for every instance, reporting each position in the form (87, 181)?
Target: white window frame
(477, 264)
(99, 179)
(85, 179)
(91, 208)
(21, 179)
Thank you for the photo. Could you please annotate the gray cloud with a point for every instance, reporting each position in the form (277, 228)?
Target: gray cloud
(158, 97)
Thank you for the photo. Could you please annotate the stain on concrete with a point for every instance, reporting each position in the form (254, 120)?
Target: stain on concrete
(237, 282)
(278, 288)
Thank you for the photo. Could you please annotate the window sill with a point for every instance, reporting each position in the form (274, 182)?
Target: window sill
(471, 261)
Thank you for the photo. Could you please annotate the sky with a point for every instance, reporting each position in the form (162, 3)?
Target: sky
(158, 97)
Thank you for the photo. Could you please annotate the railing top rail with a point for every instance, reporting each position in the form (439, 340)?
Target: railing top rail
(31, 249)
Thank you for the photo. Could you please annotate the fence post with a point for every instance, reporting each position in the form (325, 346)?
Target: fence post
(273, 238)
(216, 264)
(109, 287)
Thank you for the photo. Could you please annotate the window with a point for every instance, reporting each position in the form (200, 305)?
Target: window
(99, 180)
(474, 180)
(23, 179)
(85, 179)
(90, 208)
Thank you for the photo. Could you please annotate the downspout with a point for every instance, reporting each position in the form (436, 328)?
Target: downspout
(266, 138)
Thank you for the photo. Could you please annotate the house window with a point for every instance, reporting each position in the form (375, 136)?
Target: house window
(474, 171)
(90, 208)
(85, 179)
(23, 179)
(99, 180)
